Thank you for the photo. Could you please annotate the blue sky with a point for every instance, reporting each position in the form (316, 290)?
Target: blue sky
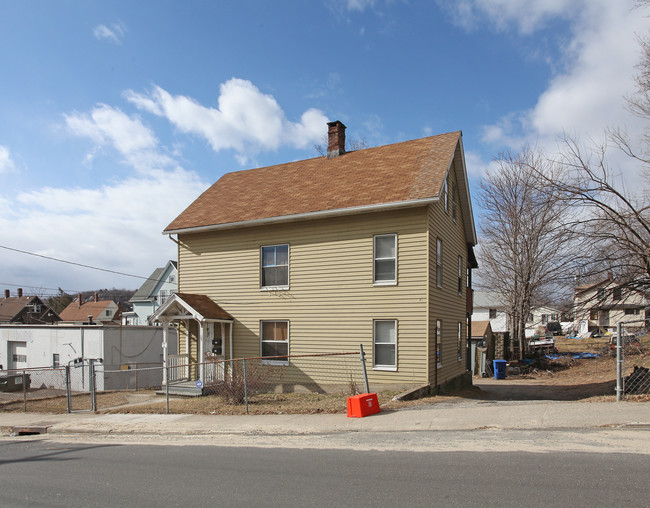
(116, 115)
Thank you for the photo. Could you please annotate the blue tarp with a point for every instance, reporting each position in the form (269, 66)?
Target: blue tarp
(573, 355)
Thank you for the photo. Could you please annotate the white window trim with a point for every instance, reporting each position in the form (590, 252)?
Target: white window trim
(460, 276)
(388, 368)
(439, 342)
(274, 362)
(446, 191)
(374, 259)
(454, 203)
(275, 288)
(460, 341)
(439, 262)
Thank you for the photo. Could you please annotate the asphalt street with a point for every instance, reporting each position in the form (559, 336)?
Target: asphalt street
(45, 473)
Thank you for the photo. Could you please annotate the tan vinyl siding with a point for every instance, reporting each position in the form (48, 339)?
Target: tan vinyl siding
(445, 303)
(331, 301)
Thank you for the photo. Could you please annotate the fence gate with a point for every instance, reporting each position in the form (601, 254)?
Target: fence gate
(80, 385)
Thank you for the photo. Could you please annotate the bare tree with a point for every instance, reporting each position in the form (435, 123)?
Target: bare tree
(525, 249)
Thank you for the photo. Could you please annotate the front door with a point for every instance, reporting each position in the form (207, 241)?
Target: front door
(214, 353)
(17, 355)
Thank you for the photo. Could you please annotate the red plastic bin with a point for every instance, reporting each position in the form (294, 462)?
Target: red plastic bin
(362, 405)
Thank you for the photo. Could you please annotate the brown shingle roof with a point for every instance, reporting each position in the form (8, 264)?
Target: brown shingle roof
(479, 328)
(11, 307)
(394, 173)
(204, 306)
(75, 313)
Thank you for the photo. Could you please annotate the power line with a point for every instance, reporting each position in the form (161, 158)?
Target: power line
(39, 287)
(73, 263)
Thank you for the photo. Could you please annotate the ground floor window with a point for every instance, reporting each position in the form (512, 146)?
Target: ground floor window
(460, 341)
(438, 342)
(385, 344)
(274, 337)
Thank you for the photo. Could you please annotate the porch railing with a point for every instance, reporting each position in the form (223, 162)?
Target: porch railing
(179, 367)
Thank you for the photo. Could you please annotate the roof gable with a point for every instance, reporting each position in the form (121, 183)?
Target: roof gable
(13, 306)
(399, 173)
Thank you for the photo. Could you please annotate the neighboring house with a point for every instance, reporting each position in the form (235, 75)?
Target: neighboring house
(25, 310)
(370, 247)
(95, 311)
(120, 349)
(600, 306)
(490, 307)
(160, 286)
(482, 346)
(539, 317)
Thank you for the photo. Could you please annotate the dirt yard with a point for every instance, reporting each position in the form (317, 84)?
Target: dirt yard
(565, 378)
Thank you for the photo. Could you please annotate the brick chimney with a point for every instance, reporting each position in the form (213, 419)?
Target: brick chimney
(335, 139)
(79, 301)
(20, 292)
(7, 293)
(96, 297)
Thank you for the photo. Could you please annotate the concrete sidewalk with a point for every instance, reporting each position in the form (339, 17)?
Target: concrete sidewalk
(474, 415)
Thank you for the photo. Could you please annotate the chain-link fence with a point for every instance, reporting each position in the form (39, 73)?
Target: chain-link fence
(632, 351)
(232, 385)
(24, 387)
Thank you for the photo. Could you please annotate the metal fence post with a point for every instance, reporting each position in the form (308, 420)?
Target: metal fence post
(245, 386)
(67, 388)
(167, 386)
(363, 367)
(619, 362)
(91, 381)
(24, 392)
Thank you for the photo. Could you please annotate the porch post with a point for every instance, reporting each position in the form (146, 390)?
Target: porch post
(202, 331)
(187, 348)
(165, 324)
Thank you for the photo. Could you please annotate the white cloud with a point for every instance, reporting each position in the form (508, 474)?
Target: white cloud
(246, 120)
(109, 126)
(113, 34)
(526, 15)
(586, 96)
(115, 226)
(6, 163)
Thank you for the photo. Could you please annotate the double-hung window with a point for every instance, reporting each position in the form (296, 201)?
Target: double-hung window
(460, 276)
(385, 263)
(439, 262)
(439, 342)
(460, 341)
(454, 206)
(385, 344)
(274, 337)
(275, 267)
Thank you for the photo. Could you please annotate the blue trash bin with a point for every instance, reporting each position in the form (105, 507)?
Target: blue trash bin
(499, 369)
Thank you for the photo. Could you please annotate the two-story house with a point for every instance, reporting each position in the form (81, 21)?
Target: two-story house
(95, 311)
(600, 306)
(371, 247)
(155, 291)
(23, 309)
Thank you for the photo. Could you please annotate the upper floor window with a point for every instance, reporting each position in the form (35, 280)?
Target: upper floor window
(439, 262)
(616, 293)
(445, 194)
(275, 266)
(492, 313)
(460, 275)
(385, 264)
(172, 279)
(454, 207)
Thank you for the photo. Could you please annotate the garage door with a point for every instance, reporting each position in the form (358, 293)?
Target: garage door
(17, 355)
